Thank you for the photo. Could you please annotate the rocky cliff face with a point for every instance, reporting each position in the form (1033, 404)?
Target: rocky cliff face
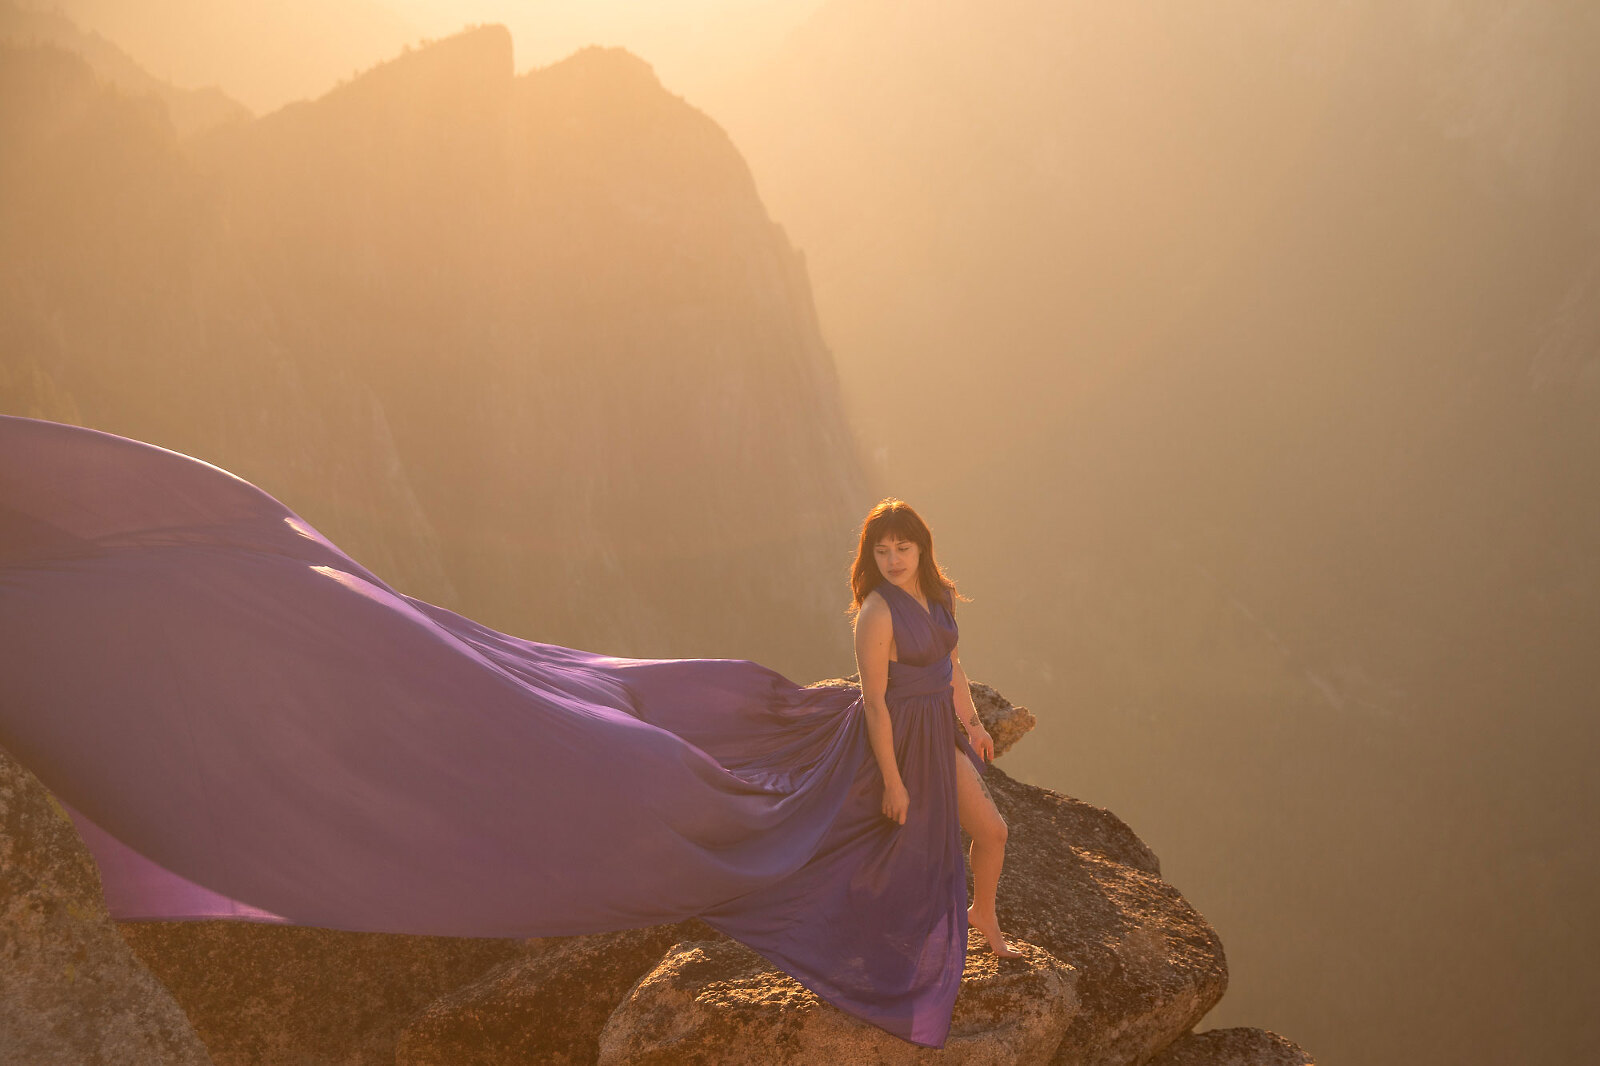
(71, 993)
(521, 345)
(1117, 967)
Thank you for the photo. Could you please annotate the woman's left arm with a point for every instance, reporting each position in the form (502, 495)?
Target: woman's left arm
(967, 711)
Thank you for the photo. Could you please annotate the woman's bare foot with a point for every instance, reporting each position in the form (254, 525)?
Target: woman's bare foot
(989, 926)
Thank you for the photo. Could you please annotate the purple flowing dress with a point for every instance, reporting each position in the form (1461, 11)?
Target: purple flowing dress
(246, 723)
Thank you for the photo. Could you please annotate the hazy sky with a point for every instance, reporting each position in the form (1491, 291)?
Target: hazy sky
(693, 44)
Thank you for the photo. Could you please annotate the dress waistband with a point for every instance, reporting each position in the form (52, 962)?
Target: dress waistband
(908, 679)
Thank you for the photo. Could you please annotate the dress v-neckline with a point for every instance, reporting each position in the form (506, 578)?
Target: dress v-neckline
(928, 610)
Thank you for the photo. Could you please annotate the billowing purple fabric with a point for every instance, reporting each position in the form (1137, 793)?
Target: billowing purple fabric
(248, 724)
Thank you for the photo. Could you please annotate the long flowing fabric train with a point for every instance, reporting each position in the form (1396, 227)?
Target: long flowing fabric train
(249, 724)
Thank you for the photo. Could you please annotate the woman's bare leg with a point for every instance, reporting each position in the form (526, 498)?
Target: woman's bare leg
(983, 823)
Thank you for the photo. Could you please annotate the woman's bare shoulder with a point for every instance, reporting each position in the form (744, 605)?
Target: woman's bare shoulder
(874, 609)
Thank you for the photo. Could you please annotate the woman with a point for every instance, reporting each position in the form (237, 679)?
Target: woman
(246, 723)
(895, 578)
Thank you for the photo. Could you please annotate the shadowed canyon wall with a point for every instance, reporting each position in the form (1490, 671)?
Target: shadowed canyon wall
(529, 347)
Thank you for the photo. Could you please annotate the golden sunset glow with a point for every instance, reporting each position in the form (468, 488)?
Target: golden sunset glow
(1243, 357)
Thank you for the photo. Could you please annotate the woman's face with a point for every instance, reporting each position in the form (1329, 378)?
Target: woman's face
(898, 560)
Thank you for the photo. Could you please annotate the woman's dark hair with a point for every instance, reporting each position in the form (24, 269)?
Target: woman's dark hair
(896, 518)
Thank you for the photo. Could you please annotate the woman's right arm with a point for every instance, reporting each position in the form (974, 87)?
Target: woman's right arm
(874, 634)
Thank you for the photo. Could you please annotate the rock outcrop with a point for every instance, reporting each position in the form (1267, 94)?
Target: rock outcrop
(71, 993)
(717, 1002)
(1150, 965)
(1004, 720)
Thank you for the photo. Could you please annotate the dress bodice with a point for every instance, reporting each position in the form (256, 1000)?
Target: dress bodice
(923, 640)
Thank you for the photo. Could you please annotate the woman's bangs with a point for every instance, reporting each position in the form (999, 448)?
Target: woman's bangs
(899, 526)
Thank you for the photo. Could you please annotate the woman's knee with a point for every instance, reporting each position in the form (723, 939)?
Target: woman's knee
(993, 831)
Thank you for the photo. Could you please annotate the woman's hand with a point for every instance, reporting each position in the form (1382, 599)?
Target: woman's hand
(982, 742)
(896, 801)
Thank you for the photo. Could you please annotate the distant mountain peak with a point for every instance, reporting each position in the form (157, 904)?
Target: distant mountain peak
(478, 56)
(610, 60)
(615, 70)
